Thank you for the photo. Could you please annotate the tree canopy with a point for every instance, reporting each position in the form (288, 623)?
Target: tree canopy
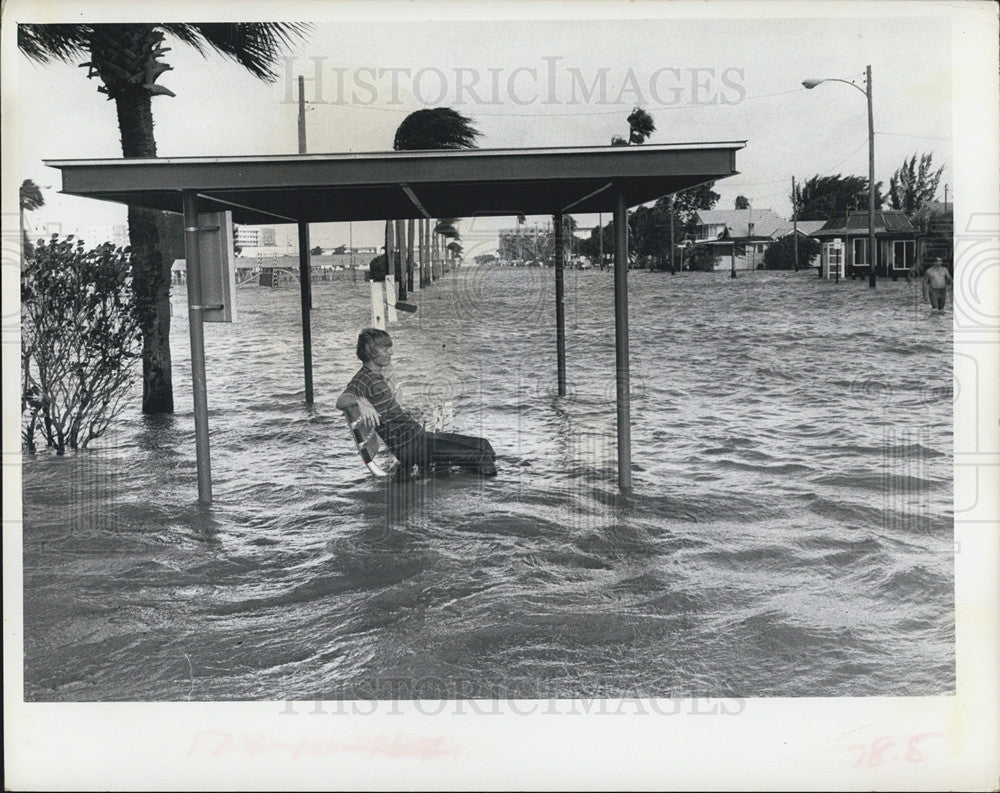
(649, 227)
(640, 127)
(31, 196)
(827, 197)
(435, 128)
(914, 183)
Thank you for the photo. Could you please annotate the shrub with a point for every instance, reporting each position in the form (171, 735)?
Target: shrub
(702, 258)
(780, 255)
(79, 339)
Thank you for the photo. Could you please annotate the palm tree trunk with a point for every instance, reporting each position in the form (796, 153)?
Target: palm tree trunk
(150, 273)
(409, 253)
(389, 244)
(400, 263)
(426, 252)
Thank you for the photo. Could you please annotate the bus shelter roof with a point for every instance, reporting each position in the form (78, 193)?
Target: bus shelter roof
(323, 188)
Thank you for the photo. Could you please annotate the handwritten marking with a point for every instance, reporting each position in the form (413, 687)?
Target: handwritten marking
(219, 743)
(873, 754)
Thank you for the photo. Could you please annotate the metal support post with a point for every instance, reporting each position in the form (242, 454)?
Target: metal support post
(192, 258)
(305, 289)
(560, 308)
(621, 341)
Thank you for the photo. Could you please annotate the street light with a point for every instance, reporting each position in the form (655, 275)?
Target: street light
(867, 91)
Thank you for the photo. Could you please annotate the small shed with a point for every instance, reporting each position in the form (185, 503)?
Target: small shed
(845, 244)
(178, 271)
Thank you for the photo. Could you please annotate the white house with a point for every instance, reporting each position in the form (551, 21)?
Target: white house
(743, 234)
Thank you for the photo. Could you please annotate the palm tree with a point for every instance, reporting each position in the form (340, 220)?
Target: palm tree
(640, 127)
(434, 128)
(30, 199)
(126, 58)
(447, 229)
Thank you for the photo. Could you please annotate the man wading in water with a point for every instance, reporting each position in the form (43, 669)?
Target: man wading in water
(371, 393)
(936, 283)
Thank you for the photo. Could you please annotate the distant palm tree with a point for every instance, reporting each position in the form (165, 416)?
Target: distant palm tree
(31, 198)
(126, 58)
(640, 127)
(446, 228)
(434, 128)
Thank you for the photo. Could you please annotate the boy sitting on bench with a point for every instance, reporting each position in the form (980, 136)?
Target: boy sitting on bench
(373, 397)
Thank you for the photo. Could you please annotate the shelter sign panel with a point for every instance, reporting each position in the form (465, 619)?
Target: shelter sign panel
(218, 265)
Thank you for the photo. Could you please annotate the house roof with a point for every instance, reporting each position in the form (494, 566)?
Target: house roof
(934, 216)
(806, 227)
(320, 188)
(737, 221)
(887, 221)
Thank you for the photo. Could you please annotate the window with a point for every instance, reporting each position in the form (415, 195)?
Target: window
(861, 252)
(902, 254)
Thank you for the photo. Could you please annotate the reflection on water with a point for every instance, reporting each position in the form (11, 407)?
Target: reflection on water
(789, 532)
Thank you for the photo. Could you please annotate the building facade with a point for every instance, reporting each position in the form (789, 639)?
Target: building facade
(845, 245)
(737, 237)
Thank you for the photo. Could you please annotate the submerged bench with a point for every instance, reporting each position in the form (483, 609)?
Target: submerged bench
(367, 442)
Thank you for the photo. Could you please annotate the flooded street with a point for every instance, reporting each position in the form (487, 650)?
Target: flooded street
(789, 532)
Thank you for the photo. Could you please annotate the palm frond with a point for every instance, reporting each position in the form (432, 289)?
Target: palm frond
(256, 46)
(47, 43)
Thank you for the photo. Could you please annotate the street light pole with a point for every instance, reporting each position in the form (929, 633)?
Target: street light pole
(867, 91)
(872, 250)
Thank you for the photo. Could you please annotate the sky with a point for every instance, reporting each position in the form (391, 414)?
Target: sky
(531, 82)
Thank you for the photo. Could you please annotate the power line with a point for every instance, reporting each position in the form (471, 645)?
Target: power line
(615, 112)
(911, 135)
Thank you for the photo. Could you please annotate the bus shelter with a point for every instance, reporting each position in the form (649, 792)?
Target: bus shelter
(324, 188)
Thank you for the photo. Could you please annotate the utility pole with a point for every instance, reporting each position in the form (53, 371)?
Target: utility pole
(795, 229)
(305, 264)
(867, 91)
(872, 251)
(302, 115)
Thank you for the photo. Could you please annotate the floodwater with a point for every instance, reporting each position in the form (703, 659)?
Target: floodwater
(789, 532)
